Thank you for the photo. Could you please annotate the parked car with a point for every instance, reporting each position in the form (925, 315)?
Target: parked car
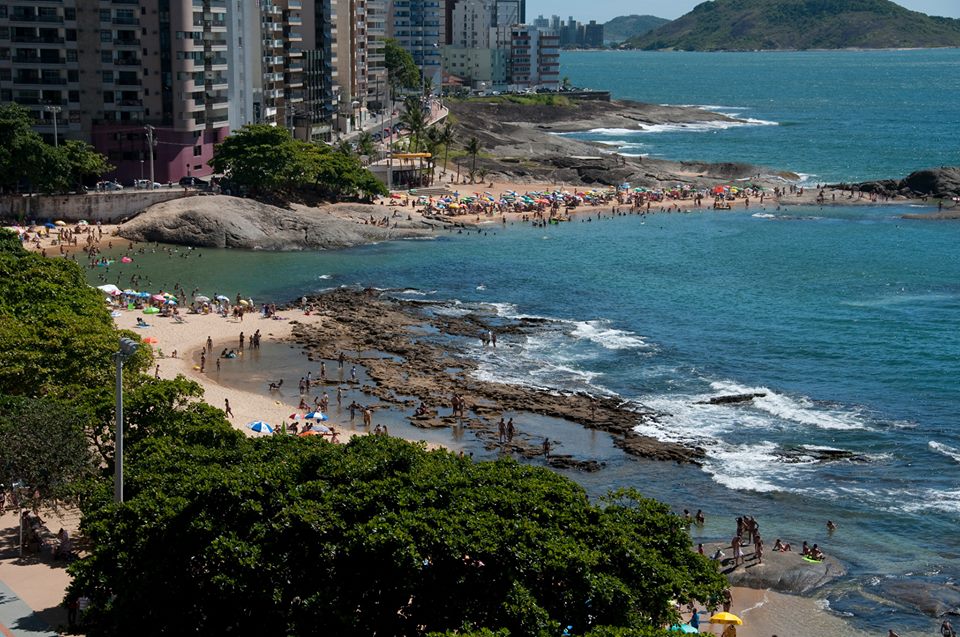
(109, 185)
(196, 182)
(145, 183)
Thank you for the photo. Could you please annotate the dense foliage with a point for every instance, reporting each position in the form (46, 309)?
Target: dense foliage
(287, 536)
(267, 161)
(26, 160)
(402, 71)
(800, 24)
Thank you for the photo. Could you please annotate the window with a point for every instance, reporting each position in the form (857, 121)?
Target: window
(71, 55)
(107, 77)
(3, 10)
(104, 15)
(69, 13)
(73, 96)
(73, 75)
(106, 36)
(71, 35)
(197, 151)
(108, 97)
(106, 57)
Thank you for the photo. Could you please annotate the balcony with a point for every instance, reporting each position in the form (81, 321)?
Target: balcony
(126, 62)
(126, 42)
(40, 81)
(36, 39)
(128, 81)
(130, 21)
(37, 61)
(30, 17)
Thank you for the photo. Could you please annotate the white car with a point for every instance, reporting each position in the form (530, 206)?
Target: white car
(110, 185)
(145, 183)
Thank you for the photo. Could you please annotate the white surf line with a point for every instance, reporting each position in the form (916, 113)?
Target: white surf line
(757, 605)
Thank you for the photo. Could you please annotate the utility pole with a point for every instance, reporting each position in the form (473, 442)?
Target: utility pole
(54, 110)
(150, 144)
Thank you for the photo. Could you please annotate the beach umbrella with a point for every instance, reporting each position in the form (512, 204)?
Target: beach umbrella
(244, 302)
(110, 289)
(59, 223)
(169, 302)
(201, 298)
(49, 225)
(151, 339)
(318, 429)
(317, 415)
(296, 417)
(126, 260)
(726, 618)
(130, 292)
(685, 629)
(143, 295)
(260, 427)
(309, 432)
(221, 297)
(82, 222)
(158, 297)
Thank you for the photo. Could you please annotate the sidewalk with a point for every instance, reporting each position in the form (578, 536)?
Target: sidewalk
(17, 619)
(32, 588)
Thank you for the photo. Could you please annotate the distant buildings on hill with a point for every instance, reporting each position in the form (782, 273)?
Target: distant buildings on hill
(573, 34)
(184, 73)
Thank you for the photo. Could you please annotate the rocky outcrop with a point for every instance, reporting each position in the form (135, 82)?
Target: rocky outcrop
(943, 182)
(782, 572)
(730, 399)
(231, 222)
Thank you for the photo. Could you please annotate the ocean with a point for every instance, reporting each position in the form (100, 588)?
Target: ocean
(844, 317)
(830, 116)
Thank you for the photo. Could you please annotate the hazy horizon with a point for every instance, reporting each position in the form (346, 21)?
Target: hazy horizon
(604, 10)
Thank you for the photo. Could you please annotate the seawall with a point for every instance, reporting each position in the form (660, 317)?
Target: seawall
(108, 207)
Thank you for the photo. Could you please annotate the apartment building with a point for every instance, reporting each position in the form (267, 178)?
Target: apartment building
(112, 67)
(418, 26)
(534, 59)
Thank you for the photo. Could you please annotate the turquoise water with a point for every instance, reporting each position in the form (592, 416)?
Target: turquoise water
(830, 115)
(845, 317)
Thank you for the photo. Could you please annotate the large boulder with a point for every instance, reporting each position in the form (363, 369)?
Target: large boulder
(782, 572)
(232, 222)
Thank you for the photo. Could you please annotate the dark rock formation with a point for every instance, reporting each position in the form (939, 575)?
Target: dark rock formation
(731, 399)
(782, 572)
(943, 182)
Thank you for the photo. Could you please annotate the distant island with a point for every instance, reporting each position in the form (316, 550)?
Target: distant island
(624, 27)
(751, 25)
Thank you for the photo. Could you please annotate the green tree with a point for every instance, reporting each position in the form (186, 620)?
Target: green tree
(446, 135)
(25, 157)
(44, 447)
(340, 175)
(83, 162)
(377, 536)
(365, 144)
(266, 160)
(473, 149)
(414, 119)
(402, 71)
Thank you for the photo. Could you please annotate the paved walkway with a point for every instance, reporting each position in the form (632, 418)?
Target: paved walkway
(17, 619)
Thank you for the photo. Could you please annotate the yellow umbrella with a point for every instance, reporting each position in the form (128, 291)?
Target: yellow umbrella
(726, 618)
(59, 223)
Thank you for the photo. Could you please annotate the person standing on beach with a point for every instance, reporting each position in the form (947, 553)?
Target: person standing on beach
(727, 599)
(339, 396)
(203, 361)
(156, 372)
(735, 544)
(546, 448)
(209, 344)
(340, 360)
(242, 339)
(510, 430)
(323, 372)
(502, 430)
(226, 407)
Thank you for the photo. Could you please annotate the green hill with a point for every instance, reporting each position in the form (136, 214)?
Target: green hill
(625, 27)
(748, 25)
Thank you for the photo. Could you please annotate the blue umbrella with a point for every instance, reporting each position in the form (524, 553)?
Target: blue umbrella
(260, 427)
(319, 415)
(143, 295)
(49, 225)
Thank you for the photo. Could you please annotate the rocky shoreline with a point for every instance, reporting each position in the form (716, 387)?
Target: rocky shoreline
(417, 356)
(523, 143)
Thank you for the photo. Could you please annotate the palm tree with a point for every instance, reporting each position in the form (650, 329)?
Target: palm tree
(413, 119)
(365, 144)
(473, 149)
(446, 136)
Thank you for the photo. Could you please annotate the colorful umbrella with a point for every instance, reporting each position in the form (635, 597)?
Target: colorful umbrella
(150, 339)
(126, 260)
(726, 618)
(260, 427)
(317, 415)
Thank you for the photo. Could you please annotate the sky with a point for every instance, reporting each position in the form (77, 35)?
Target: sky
(603, 10)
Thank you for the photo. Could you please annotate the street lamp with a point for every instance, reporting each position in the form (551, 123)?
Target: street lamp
(54, 109)
(127, 348)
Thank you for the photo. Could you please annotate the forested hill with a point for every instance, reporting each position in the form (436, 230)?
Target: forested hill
(624, 27)
(748, 25)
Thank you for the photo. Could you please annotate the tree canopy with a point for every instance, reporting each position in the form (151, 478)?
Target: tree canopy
(374, 537)
(402, 71)
(268, 161)
(26, 158)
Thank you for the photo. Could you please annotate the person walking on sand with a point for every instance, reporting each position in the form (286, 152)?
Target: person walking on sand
(226, 407)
